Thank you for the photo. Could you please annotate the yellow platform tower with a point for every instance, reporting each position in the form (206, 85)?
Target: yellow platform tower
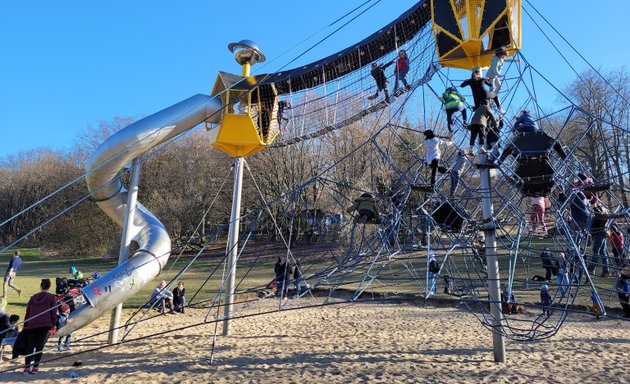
(250, 109)
(467, 32)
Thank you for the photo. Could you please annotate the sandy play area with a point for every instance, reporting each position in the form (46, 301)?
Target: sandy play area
(346, 343)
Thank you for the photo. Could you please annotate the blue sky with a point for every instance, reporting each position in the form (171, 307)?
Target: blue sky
(67, 64)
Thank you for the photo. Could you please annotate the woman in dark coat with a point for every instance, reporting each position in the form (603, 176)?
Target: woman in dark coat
(40, 322)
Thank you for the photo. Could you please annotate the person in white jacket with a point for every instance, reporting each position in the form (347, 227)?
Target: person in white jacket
(434, 153)
(162, 298)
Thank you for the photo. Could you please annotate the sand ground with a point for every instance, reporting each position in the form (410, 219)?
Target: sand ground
(356, 343)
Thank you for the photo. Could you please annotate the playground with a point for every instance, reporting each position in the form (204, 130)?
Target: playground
(375, 232)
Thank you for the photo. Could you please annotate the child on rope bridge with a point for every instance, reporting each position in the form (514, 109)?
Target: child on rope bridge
(453, 102)
(365, 205)
(402, 68)
(378, 73)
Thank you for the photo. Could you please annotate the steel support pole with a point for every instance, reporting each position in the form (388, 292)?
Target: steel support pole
(125, 240)
(233, 245)
(494, 289)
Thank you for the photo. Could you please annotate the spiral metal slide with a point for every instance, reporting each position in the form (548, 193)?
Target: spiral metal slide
(103, 171)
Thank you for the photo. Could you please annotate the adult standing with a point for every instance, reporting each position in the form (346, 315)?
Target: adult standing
(548, 264)
(600, 230)
(14, 266)
(41, 319)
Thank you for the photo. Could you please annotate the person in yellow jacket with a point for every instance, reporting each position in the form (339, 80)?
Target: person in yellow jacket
(365, 205)
(453, 102)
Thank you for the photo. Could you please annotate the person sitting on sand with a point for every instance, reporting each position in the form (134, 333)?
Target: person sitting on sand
(8, 324)
(179, 298)
(161, 297)
(511, 305)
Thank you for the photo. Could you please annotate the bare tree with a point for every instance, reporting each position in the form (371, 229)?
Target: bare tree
(603, 124)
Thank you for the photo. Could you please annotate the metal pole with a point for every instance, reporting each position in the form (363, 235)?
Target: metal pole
(125, 240)
(427, 291)
(494, 290)
(233, 244)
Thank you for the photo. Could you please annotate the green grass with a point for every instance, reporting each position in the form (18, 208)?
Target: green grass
(35, 267)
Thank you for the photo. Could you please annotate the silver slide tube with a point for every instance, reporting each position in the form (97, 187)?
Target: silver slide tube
(103, 170)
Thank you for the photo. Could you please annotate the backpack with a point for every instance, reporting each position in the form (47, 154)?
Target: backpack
(434, 267)
(19, 347)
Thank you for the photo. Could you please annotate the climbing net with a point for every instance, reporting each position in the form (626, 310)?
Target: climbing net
(352, 144)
